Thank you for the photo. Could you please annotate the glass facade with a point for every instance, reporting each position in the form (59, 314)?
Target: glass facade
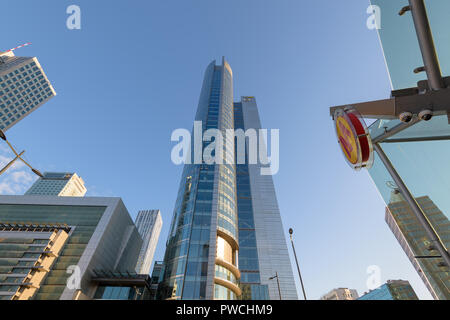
(420, 155)
(205, 206)
(82, 219)
(392, 290)
(212, 250)
(248, 251)
(399, 40)
(121, 293)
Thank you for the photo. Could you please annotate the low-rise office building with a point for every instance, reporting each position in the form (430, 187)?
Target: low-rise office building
(55, 247)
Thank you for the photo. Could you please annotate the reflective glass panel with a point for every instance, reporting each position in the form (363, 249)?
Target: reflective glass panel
(399, 40)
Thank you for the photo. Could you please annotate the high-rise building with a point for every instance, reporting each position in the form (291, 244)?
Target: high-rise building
(149, 224)
(157, 272)
(392, 290)
(226, 237)
(24, 87)
(63, 184)
(341, 294)
(58, 248)
(417, 245)
(262, 245)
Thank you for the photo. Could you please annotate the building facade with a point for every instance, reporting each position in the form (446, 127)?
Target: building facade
(262, 245)
(208, 254)
(417, 245)
(24, 87)
(63, 184)
(149, 224)
(392, 290)
(341, 294)
(53, 248)
(157, 273)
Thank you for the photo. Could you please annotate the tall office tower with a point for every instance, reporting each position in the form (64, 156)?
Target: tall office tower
(64, 248)
(341, 294)
(149, 224)
(392, 290)
(417, 245)
(208, 253)
(63, 184)
(24, 87)
(262, 245)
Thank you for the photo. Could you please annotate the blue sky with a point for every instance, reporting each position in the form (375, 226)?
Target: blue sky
(133, 74)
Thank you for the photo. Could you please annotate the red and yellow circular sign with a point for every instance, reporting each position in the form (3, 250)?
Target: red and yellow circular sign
(353, 137)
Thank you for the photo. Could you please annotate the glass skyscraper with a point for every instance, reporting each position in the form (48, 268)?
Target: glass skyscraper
(220, 245)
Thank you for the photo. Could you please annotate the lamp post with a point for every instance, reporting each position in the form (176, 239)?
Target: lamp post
(291, 231)
(278, 282)
(11, 162)
(18, 156)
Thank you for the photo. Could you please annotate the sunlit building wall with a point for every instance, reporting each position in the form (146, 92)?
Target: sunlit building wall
(149, 224)
(52, 247)
(63, 184)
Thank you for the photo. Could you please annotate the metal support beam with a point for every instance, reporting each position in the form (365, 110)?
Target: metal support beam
(411, 201)
(394, 130)
(426, 43)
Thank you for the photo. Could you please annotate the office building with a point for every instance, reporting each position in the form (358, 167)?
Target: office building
(149, 224)
(24, 87)
(156, 277)
(262, 245)
(56, 248)
(341, 294)
(392, 290)
(417, 245)
(226, 237)
(63, 184)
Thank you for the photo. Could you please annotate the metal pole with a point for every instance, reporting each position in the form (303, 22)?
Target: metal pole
(11, 163)
(298, 267)
(413, 205)
(426, 43)
(278, 282)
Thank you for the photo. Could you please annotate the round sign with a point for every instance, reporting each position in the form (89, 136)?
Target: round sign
(354, 138)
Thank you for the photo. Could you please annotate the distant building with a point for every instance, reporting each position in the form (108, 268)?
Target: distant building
(341, 294)
(63, 184)
(157, 273)
(24, 87)
(149, 224)
(392, 290)
(416, 243)
(61, 248)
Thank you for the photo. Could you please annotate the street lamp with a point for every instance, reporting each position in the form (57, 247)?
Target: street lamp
(278, 282)
(296, 261)
(18, 156)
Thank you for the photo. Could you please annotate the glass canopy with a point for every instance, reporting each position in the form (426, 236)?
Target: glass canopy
(399, 41)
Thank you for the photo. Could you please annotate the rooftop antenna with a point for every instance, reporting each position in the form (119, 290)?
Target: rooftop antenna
(21, 46)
